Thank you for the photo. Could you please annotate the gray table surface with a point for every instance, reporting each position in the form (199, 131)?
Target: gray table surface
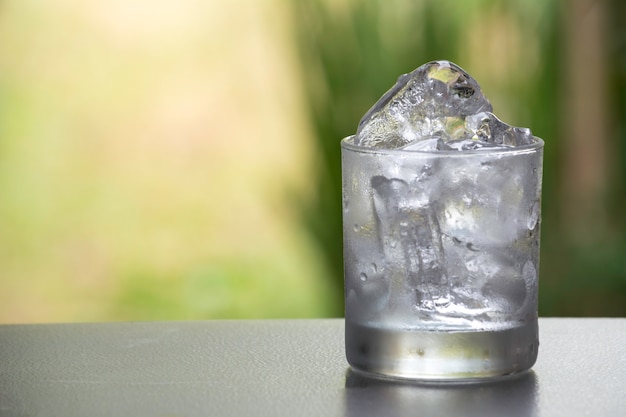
(284, 367)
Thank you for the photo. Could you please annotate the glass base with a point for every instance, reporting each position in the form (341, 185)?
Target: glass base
(441, 356)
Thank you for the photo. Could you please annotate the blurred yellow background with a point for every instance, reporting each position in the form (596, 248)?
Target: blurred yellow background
(148, 154)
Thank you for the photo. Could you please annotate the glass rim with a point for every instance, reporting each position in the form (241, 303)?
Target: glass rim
(533, 147)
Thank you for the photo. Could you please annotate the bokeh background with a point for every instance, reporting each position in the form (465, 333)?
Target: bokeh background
(180, 159)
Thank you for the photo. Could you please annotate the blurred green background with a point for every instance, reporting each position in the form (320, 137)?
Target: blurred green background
(180, 159)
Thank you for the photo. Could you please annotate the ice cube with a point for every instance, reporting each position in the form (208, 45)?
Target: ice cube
(431, 144)
(485, 127)
(411, 240)
(437, 100)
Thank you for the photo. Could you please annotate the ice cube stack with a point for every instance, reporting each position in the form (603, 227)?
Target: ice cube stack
(437, 107)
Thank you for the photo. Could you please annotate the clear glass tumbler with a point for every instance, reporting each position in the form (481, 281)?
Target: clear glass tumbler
(441, 253)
